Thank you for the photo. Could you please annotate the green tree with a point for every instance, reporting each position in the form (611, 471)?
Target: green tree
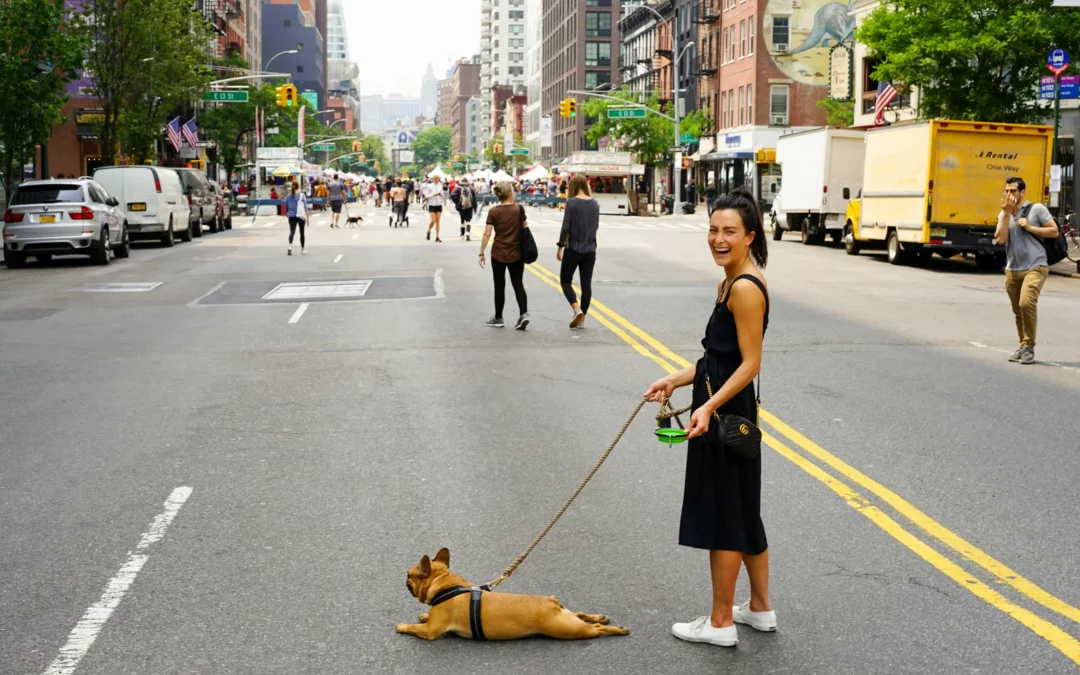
(166, 81)
(125, 38)
(648, 139)
(839, 114)
(38, 56)
(432, 146)
(971, 59)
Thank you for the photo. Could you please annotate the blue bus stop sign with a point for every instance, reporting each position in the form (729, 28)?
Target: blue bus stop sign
(1057, 61)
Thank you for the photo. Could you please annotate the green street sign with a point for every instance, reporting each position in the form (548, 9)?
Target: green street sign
(232, 96)
(319, 147)
(626, 113)
(687, 139)
(519, 151)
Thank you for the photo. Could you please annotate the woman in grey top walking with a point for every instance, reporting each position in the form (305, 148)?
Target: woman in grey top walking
(578, 238)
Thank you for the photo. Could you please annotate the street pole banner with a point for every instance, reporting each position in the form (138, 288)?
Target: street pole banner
(300, 127)
(545, 132)
(257, 141)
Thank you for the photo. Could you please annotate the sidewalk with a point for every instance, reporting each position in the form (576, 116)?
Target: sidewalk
(1066, 268)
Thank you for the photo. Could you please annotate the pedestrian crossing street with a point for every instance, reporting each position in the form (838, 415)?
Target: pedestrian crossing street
(541, 220)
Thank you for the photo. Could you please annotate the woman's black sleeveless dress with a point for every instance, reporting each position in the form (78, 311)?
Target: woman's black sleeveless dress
(722, 498)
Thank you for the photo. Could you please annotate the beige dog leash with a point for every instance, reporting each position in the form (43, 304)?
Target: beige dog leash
(665, 413)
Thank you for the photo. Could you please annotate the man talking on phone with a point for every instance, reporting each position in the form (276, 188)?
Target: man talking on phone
(1021, 227)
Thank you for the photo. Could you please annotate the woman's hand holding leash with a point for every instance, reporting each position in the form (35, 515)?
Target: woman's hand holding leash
(660, 391)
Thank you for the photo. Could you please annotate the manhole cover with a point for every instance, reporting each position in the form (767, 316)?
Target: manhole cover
(117, 287)
(309, 290)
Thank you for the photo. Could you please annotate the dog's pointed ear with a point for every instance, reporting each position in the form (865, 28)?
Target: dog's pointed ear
(425, 566)
(443, 556)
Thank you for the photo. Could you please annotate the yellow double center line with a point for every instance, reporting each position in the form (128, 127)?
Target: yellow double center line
(1004, 575)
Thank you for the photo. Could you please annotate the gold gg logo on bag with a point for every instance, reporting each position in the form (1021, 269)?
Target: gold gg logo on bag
(743, 429)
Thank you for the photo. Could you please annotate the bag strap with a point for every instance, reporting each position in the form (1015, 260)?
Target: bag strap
(521, 216)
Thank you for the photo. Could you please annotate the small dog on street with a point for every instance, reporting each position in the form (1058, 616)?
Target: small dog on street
(466, 610)
(351, 221)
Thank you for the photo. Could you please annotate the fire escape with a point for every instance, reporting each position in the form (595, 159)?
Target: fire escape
(225, 20)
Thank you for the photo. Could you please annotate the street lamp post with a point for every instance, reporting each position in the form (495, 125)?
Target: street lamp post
(266, 66)
(676, 55)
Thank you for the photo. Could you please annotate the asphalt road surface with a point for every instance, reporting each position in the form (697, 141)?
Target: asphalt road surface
(216, 459)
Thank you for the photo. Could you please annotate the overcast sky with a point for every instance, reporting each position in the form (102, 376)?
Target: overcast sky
(394, 41)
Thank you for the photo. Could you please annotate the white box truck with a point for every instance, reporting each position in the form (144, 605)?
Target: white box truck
(822, 172)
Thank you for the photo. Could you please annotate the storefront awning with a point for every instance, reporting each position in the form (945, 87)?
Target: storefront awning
(721, 156)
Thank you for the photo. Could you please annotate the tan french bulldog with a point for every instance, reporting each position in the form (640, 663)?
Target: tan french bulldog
(503, 616)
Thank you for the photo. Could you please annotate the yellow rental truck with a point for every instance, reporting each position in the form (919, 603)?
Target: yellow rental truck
(936, 187)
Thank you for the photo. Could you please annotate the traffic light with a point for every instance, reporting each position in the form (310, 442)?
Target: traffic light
(287, 95)
(356, 146)
(573, 107)
(564, 108)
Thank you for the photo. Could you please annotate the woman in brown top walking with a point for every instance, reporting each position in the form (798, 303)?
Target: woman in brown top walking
(506, 221)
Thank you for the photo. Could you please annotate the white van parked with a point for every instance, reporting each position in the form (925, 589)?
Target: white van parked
(152, 199)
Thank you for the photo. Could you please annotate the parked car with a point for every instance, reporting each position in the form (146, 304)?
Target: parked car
(152, 200)
(224, 206)
(63, 217)
(201, 199)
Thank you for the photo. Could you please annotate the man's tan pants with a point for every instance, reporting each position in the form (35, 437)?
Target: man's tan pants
(1023, 289)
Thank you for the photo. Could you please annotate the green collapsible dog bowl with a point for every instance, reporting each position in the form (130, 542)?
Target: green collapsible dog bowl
(670, 437)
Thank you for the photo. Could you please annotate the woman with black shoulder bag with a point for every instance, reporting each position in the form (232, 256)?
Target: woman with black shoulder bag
(578, 237)
(507, 221)
(722, 495)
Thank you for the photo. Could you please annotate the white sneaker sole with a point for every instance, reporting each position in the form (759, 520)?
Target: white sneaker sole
(756, 625)
(705, 642)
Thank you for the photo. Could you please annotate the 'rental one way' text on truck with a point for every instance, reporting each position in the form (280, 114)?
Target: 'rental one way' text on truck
(936, 187)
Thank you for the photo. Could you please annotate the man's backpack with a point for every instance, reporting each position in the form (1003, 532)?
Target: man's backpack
(466, 198)
(1055, 246)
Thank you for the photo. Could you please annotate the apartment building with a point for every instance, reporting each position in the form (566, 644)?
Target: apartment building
(773, 70)
(464, 85)
(534, 73)
(502, 54)
(580, 52)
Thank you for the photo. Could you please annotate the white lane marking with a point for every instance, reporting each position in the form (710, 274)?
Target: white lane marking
(245, 226)
(82, 637)
(977, 344)
(440, 289)
(338, 259)
(299, 312)
(649, 226)
(355, 236)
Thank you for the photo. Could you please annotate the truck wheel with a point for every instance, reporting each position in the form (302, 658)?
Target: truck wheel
(851, 246)
(897, 255)
(807, 238)
(777, 231)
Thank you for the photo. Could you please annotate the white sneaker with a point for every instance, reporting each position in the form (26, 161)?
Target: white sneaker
(763, 621)
(702, 630)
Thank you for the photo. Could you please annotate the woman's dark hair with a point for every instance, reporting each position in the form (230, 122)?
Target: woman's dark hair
(743, 202)
(578, 184)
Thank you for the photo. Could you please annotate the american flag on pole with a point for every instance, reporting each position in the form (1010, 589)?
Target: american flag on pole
(172, 128)
(190, 134)
(886, 93)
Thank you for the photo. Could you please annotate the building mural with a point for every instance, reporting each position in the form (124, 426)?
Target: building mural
(799, 34)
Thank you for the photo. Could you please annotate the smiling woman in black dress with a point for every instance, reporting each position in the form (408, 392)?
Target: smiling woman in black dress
(722, 497)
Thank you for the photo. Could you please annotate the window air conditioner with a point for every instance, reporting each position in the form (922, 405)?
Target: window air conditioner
(780, 47)
(779, 120)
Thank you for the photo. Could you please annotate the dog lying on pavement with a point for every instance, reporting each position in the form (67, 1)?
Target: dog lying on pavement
(470, 612)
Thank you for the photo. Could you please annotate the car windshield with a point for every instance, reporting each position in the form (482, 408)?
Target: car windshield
(50, 193)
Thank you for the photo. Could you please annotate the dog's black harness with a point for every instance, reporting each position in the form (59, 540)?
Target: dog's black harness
(474, 605)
